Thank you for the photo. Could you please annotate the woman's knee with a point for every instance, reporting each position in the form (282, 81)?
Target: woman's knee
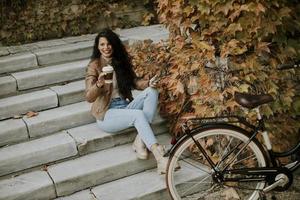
(138, 114)
(151, 91)
(104, 126)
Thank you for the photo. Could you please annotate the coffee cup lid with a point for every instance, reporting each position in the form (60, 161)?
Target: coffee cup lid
(108, 68)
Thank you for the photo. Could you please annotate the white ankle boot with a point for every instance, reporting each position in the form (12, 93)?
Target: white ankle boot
(140, 148)
(162, 162)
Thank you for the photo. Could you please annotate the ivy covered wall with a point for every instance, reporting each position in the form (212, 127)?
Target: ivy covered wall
(24, 21)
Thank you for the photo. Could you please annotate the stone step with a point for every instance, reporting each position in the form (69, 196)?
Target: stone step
(98, 168)
(76, 141)
(34, 101)
(8, 85)
(155, 33)
(50, 75)
(17, 62)
(78, 174)
(64, 53)
(36, 152)
(13, 131)
(46, 56)
(45, 123)
(4, 51)
(41, 100)
(30, 186)
(70, 93)
(146, 185)
(58, 119)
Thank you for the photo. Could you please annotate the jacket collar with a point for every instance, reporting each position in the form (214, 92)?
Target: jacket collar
(104, 62)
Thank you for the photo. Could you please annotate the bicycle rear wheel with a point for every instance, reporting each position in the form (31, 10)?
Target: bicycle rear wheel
(195, 178)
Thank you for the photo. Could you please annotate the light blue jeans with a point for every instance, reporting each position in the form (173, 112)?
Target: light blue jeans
(139, 114)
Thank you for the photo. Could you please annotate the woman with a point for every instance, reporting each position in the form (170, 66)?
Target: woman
(113, 102)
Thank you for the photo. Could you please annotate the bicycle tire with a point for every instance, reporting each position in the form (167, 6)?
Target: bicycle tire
(183, 184)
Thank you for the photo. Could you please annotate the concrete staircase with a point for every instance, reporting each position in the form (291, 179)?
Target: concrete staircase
(61, 153)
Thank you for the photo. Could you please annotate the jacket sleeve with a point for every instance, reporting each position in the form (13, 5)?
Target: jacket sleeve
(141, 84)
(92, 91)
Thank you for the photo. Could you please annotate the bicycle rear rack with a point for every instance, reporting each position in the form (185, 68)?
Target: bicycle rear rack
(231, 119)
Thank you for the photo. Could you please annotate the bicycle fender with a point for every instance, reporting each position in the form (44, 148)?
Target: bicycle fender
(199, 128)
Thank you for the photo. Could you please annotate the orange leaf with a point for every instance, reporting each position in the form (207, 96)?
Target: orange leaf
(225, 8)
(260, 8)
(263, 47)
(233, 28)
(209, 142)
(203, 45)
(237, 13)
(30, 114)
(188, 10)
(285, 12)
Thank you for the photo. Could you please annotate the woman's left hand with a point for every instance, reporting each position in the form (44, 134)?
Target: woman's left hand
(153, 81)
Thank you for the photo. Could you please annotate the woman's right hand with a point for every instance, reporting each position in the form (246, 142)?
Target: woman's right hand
(101, 76)
(100, 80)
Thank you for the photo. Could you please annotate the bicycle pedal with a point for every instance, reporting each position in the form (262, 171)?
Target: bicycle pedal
(280, 181)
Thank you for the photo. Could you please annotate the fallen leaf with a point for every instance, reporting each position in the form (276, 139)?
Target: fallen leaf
(30, 114)
(230, 194)
(209, 142)
(45, 168)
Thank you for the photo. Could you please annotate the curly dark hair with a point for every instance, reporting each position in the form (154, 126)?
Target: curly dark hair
(121, 61)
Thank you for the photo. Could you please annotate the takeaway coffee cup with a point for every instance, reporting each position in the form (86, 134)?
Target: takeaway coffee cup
(108, 70)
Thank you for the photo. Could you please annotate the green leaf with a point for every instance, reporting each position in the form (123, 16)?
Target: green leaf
(244, 88)
(203, 45)
(296, 106)
(267, 111)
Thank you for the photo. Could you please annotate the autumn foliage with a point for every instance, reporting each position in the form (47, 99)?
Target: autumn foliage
(219, 47)
(24, 21)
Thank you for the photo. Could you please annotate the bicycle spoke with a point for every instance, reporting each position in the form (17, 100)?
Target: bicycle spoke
(234, 158)
(242, 160)
(201, 168)
(196, 185)
(207, 192)
(225, 152)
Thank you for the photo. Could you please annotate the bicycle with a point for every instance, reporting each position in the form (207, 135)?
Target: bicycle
(219, 160)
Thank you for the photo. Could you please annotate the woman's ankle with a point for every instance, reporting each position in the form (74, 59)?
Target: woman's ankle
(153, 146)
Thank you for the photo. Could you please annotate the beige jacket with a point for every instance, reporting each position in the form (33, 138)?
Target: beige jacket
(100, 96)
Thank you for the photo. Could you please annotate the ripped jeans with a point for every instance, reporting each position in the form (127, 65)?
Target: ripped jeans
(138, 113)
